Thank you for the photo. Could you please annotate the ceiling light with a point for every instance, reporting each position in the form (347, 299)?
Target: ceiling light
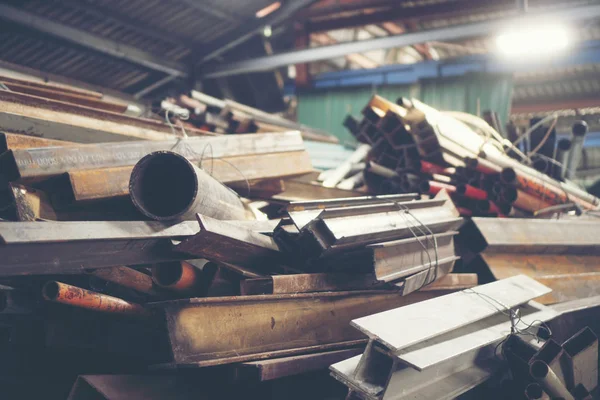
(531, 39)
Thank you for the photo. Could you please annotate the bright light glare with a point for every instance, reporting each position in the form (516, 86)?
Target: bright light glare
(531, 40)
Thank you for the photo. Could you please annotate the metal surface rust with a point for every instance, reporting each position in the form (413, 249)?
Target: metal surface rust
(221, 241)
(47, 162)
(266, 370)
(250, 326)
(541, 236)
(178, 276)
(11, 141)
(95, 184)
(308, 283)
(166, 186)
(569, 276)
(127, 277)
(73, 296)
(453, 282)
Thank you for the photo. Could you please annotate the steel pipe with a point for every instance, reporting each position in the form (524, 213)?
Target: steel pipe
(166, 186)
(181, 277)
(73, 296)
(579, 130)
(534, 391)
(549, 381)
(562, 157)
(126, 277)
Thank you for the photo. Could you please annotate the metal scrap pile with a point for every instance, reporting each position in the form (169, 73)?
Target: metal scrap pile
(416, 148)
(140, 253)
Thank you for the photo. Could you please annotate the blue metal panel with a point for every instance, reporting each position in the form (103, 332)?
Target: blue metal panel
(585, 53)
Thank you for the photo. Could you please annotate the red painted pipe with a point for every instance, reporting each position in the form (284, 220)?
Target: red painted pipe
(465, 212)
(430, 168)
(483, 166)
(433, 187)
(471, 192)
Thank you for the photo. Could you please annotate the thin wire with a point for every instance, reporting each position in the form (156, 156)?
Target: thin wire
(423, 232)
(187, 149)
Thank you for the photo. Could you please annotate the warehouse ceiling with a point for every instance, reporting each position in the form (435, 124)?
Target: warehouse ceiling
(140, 46)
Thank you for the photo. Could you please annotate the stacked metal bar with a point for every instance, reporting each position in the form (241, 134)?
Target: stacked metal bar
(562, 254)
(229, 117)
(416, 148)
(454, 352)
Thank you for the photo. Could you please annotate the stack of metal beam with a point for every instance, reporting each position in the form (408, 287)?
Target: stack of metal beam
(228, 116)
(562, 254)
(456, 349)
(416, 148)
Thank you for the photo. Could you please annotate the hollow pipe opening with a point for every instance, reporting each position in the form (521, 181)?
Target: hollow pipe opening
(163, 185)
(168, 273)
(51, 290)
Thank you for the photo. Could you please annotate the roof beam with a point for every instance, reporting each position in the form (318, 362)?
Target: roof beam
(402, 14)
(341, 49)
(358, 59)
(251, 27)
(85, 39)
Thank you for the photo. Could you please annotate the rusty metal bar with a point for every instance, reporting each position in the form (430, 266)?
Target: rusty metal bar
(127, 277)
(97, 184)
(308, 283)
(59, 247)
(60, 95)
(519, 235)
(47, 162)
(76, 297)
(258, 327)
(224, 242)
(266, 370)
(165, 186)
(11, 141)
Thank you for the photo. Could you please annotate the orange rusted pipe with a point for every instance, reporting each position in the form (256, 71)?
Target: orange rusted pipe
(178, 276)
(127, 277)
(59, 292)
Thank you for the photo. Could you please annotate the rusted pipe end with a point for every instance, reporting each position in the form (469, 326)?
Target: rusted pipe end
(51, 290)
(538, 369)
(163, 185)
(461, 189)
(508, 175)
(167, 274)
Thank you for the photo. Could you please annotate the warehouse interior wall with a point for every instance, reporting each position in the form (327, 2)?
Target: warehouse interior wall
(472, 93)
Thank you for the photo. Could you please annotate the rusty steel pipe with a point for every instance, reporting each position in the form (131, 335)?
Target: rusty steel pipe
(549, 381)
(540, 188)
(181, 277)
(528, 202)
(471, 192)
(63, 293)
(126, 277)
(433, 187)
(166, 186)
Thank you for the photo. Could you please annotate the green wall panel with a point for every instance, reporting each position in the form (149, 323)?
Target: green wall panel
(326, 109)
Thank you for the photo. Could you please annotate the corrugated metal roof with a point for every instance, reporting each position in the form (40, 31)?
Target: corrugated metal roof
(169, 29)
